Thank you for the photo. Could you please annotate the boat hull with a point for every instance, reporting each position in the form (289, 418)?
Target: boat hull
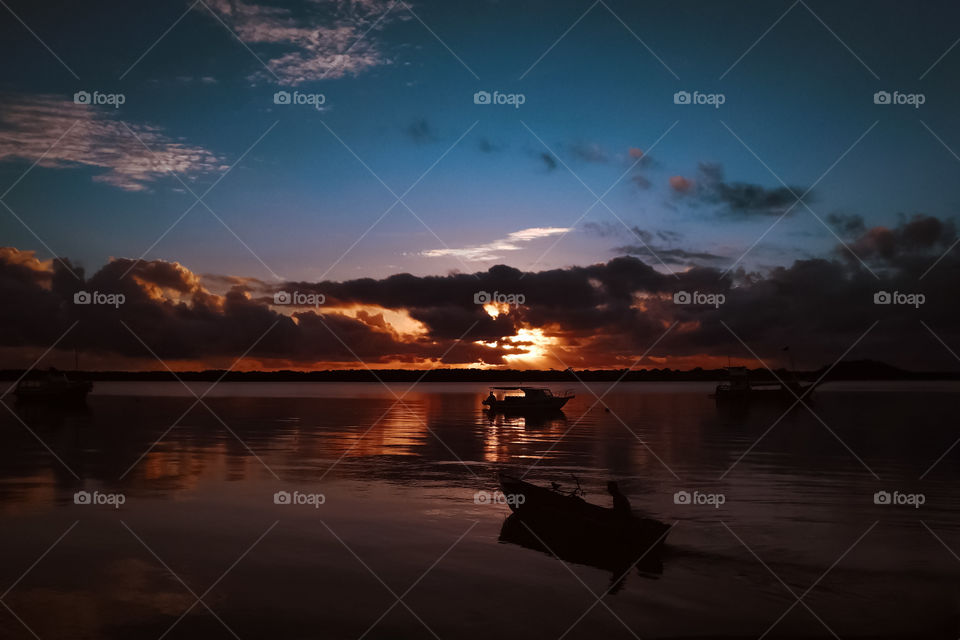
(580, 521)
(773, 394)
(522, 405)
(74, 394)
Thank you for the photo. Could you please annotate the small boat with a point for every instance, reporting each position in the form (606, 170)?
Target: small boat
(581, 523)
(741, 389)
(617, 559)
(54, 387)
(525, 399)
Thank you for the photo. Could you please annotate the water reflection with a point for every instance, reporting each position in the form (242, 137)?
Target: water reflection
(617, 560)
(400, 481)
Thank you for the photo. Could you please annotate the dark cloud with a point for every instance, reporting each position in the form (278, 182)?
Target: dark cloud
(912, 241)
(657, 244)
(846, 225)
(596, 315)
(589, 152)
(420, 131)
(548, 160)
(486, 146)
(736, 199)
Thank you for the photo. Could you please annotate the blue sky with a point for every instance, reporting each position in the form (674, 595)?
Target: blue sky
(400, 100)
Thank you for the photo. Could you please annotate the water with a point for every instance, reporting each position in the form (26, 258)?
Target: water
(402, 517)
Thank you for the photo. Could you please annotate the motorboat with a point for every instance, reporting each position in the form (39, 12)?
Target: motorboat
(523, 399)
(739, 388)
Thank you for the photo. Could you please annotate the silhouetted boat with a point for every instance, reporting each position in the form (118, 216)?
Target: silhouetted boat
(578, 522)
(525, 399)
(572, 546)
(741, 389)
(53, 387)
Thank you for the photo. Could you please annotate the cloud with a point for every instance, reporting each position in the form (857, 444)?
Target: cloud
(589, 152)
(548, 160)
(495, 250)
(845, 224)
(653, 244)
(681, 184)
(321, 39)
(736, 199)
(486, 146)
(743, 198)
(420, 131)
(95, 137)
(599, 315)
(917, 238)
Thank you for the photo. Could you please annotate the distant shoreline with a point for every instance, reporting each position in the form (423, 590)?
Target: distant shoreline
(849, 370)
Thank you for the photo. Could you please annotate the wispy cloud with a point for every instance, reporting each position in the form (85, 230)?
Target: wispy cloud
(322, 39)
(495, 250)
(30, 128)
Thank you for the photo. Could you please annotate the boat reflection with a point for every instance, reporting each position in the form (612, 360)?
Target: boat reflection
(571, 547)
(539, 420)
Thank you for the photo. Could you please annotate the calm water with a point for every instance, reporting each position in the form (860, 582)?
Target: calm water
(402, 517)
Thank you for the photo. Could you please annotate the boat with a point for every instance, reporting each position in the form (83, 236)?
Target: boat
(554, 514)
(740, 388)
(573, 548)
(53, 387)
(524, 399)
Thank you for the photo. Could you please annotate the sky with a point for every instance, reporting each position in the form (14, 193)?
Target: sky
(202, 157)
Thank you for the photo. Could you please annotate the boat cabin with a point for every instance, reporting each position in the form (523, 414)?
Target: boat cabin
(501, 394)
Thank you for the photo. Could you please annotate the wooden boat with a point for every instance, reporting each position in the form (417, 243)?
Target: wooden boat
(525, 399)
(53, 387)
(579, 522)
(741, 389)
